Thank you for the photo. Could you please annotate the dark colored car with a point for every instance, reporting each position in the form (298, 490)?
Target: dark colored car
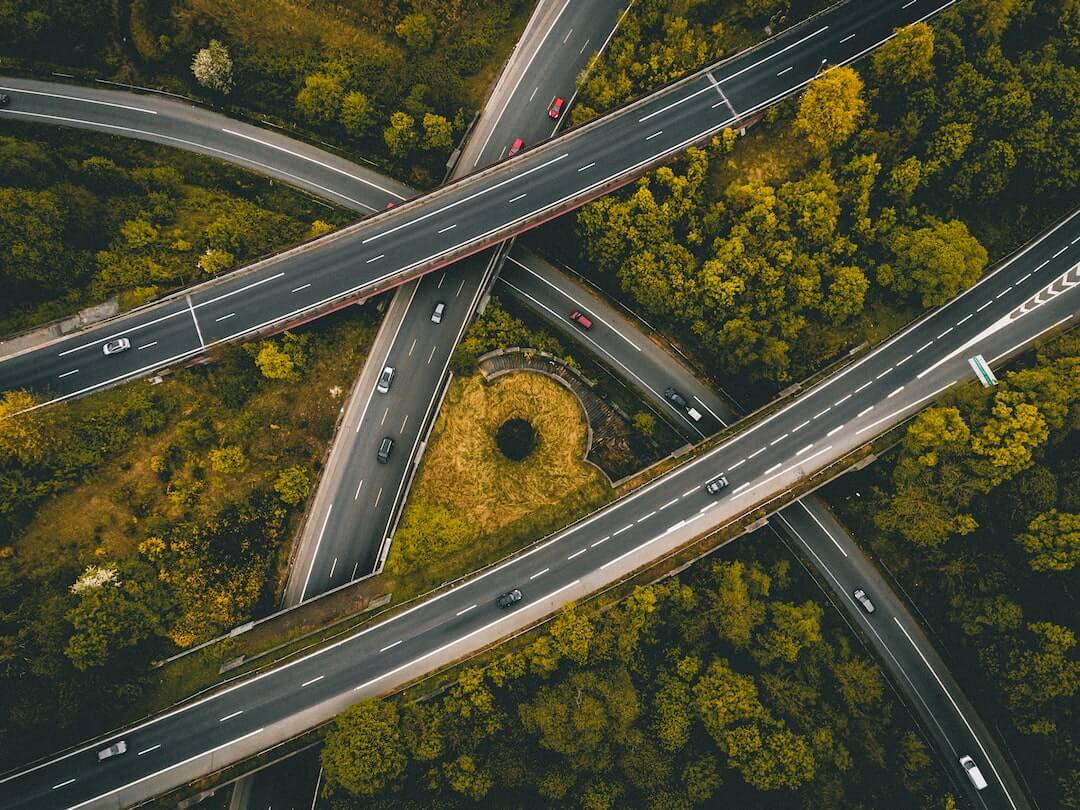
(717, 484)
(515, 147)
(385, 446)
(509, 598)
(556, 108)
(581, 319)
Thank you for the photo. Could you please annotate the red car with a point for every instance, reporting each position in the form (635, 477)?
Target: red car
(515, 147)
(556, 108)
(581, 319)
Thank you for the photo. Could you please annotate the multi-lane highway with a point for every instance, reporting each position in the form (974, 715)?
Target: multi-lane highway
(482, 209)
(1031, 293)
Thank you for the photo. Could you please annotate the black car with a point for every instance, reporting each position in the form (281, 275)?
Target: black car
(509, 598)
(385, 446)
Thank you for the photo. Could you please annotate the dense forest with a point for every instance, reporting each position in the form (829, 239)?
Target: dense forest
(730, 685)
(84, 216)
(978, 511)
(881, 191)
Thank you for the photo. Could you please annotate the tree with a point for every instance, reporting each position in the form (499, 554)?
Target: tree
(274, 363)
(417, 30)
(831, 108)
(292, 485)
(1053, 541)
(400, 136)
(213, 67)
(907, 58)
(356, 114)
(937, 262)
(438, 132)
(364, 751)
(320, 98)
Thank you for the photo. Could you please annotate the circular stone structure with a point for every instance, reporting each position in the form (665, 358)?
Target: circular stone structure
(516, 438)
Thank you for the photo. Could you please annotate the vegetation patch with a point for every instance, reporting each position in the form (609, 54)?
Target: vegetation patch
(470, 503)
(516, 438)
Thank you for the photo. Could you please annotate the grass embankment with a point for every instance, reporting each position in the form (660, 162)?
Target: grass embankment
(470, 504)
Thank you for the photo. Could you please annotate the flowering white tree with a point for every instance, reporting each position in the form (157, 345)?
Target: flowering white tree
(213, 66)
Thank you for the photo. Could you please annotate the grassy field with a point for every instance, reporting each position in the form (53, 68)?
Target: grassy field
(470, 504)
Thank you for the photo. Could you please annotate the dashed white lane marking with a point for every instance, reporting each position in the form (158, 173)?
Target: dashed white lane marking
(740, 488)
(943, 334)
(901, 362)
(924, 346)
(984, 306)
(756, 453)
(894, 393)
(447, 228)
(67, 373)
(598, 542)
(465, 610)
(313, 680)
(625, 528)
(63, 784)
(658, 132)
(774, 468)
(822, 413)
(391, 646)
(539, 573)
(779, 439)
(971, 315)
(147, 345)
(231, 716)
(864, 412)
(375, 258)
(863, 387)
(518, 197)
(800, 452)
(148, 750)
(847, 38)
(224, 317)
(835, 430)
(358, 486)
(301, 287)
(788, 69)
(672, 502)
(646, 517)
(737, 464)
(587, 166)
(801, 426)
(577, 553)
(842, 400)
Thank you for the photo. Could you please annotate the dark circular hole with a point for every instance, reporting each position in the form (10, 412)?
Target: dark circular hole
(516, 438)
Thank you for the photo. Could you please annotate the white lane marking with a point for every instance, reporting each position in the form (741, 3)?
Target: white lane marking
(317, 162)
(948, 694)
(864, 412)
(737, 464)
(231, 716)
(518, 197)
(822, 413)
(447, 228)
(848, 37)
(804, 450)
(147, 345)
(377, 497)
(658, 132)
(465, 610)
(943, 334)
(313, 680)
(756, 453)
(896, 413)
(971, 315)
(224, 317)
(984, 306)
(63, 784)
(80, 99)
(577, 553)
(568, 33)
(842, 400)
(894, 393)
(834, 431)
(672, 502)
(315, 554)
(301, 287)
(433, 348)
(587, 166)
(646, 517)
(625, 528)
(598, 542)
(198, 331)
(797, 466)
(773, 468)
(863, 387)
(779, 439)
(800, 426)
(924, 346)
(67, 374)
(901, 362)
(822, 525)
(539, 573)
(375, 258)
(391, 646)
(788, 69)
(148, 750)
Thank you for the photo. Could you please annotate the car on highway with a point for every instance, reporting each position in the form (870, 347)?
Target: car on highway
(581, 319)
(863, 599)
(716, 485)
(116, 346)
(385, 446)
(509, 598)
(437, 313)
(515, 147)
(555, 110)
(114, 750)
(386, 379)
(973, 772)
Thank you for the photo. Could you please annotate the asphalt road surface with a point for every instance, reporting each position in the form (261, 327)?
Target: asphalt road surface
(485, 208)
(1025, 297)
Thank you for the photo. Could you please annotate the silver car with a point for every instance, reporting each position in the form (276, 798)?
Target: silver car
(116, 346)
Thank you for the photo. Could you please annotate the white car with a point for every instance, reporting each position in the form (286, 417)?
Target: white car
(116, 346)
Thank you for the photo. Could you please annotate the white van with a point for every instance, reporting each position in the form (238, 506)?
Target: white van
(973, 772)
